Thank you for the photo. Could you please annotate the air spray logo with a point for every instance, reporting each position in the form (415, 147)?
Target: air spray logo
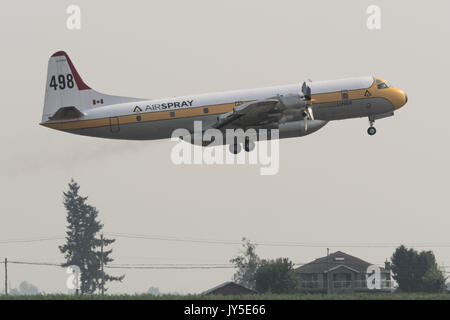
(373, 280)
(74, 280)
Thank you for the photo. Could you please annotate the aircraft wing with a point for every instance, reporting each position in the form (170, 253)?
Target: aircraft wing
(252, 114)
(267, 113)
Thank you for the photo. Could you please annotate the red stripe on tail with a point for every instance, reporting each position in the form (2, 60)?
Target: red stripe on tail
(80, 83)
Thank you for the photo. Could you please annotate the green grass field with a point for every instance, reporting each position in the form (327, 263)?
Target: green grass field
(358, 296)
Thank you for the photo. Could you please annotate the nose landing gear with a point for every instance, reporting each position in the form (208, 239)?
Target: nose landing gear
(371, 130)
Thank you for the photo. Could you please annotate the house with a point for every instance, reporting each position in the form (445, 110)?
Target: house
(340, 272)
(229, 288)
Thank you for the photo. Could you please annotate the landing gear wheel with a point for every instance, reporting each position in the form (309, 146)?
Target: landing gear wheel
(235, 148)
(371, 131)
(249, 145)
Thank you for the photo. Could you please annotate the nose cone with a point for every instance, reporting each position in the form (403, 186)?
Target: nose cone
(401, 99)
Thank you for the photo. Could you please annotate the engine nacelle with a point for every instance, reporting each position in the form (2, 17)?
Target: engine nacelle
(297, 128)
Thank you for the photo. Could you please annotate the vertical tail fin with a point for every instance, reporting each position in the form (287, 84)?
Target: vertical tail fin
(67, 96)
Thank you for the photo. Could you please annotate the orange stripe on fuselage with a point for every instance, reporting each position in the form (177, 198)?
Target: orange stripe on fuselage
(214, 109)
(145, 117)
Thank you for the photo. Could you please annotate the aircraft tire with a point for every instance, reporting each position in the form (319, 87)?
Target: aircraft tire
(249, 145)
(235, 148)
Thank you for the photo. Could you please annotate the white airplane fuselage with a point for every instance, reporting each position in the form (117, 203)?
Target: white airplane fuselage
(73, 107)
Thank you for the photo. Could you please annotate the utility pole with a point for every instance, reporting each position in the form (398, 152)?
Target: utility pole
(328, 269)
(101, 259)
(6, 276)
(77, 291)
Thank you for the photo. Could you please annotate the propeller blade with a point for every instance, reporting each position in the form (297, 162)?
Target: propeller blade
(306, 90)
(310, 113)
(307, 111)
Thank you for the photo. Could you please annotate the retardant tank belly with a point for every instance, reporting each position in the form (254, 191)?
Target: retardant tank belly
(297, 128)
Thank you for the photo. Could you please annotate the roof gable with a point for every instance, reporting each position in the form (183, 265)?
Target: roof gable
(228, 287)
(334, 260)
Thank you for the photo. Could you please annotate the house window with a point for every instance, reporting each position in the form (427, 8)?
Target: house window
(342, 280)
(310, 281)
(362, 283)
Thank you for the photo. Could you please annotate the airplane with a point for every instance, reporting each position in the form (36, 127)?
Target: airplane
(295, 110)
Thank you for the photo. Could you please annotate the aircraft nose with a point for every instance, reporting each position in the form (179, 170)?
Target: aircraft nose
(402, 99)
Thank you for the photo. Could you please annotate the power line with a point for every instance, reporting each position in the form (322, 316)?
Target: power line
(25, 240)
(168, 265)
(171, 238)
(277, 244)
(37, 263)
(234, 242)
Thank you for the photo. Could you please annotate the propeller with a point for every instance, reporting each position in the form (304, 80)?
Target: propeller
(307, 111)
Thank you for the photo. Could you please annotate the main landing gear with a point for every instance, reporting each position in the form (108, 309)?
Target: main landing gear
(235, 148)
(249, 145)
(371, 130)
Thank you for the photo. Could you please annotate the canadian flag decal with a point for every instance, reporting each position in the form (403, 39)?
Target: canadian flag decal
(94, 102)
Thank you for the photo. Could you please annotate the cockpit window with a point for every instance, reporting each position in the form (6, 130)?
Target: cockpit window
(383, 85)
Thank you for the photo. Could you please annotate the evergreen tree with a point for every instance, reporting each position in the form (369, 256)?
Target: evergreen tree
(82, 247)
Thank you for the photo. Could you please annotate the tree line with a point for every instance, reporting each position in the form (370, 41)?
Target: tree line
(412, 270)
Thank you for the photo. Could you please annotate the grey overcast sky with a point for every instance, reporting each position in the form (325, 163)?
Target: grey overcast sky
(336, 186)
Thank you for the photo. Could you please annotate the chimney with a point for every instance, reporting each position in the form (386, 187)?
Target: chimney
(387, 265)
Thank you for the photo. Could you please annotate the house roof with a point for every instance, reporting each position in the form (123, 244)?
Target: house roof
(333, 261)
(227, 288)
